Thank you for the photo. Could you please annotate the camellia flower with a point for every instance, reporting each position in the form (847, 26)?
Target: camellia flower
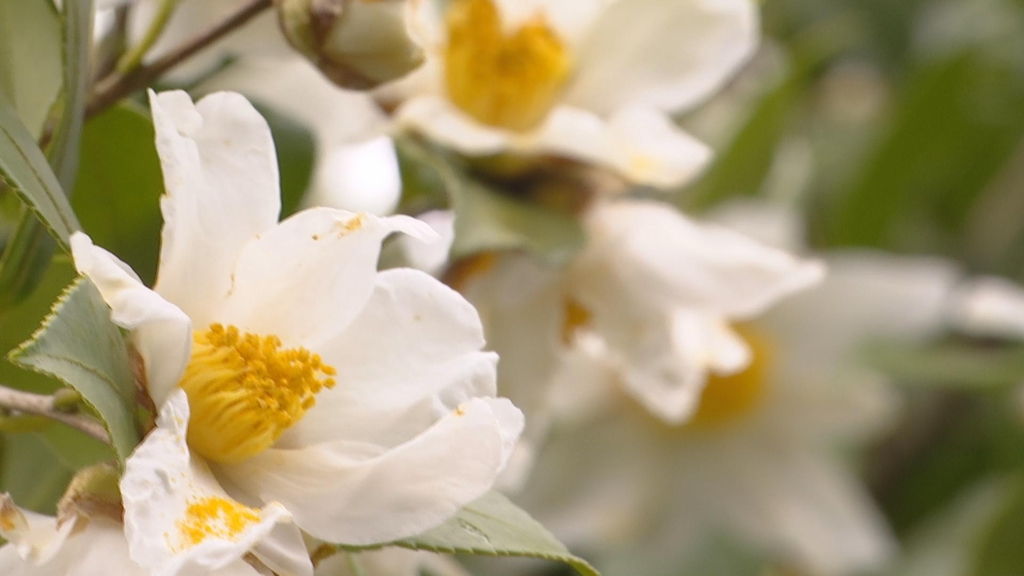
(349, 129)
(37, 545)
(294, 383)
(757, 459)
(660, 292)
(593, 80)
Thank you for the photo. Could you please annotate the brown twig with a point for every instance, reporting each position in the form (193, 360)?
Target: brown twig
(42, 405)
(115, 86)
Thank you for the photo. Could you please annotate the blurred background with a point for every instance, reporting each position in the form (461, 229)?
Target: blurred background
(895, 125)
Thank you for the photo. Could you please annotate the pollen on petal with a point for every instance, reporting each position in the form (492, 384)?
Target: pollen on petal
(212, 517)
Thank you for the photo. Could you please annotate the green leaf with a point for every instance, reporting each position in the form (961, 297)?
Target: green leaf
(296, 153)
(485, 219)
(488, 220)
(999, 552)
(96, 366)
(31, 472)
(27, 254)
(30, 59)
(24, 168)
(950, 364)
(117, 195)
(494, 526)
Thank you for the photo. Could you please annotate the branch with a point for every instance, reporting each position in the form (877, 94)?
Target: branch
(45, 406)
(116, 86)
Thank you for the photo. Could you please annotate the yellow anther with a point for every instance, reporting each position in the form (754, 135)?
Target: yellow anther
(504, 80)
(726, 399)
(213, 517)
(576, 317)
(245, 390)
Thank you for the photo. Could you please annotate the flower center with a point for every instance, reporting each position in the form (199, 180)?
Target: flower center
(214, 517)
(245, 390)
(504, 80)
(575, 317)
(728, 398)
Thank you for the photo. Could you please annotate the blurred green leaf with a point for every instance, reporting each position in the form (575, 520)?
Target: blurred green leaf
(957, 124)
(30, 59)
(742, 167)
(31, 472)
(296, 154)
(945, 543)
(97, 366)
(950, 365)
(485, 219)
(117, 195)
(1000, 551)
(488, 220)
(494, 526)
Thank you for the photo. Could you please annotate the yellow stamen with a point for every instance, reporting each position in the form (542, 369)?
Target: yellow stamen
(213, 517)
(728, 398)
(504, 80)
(576, 317)
(245, 390)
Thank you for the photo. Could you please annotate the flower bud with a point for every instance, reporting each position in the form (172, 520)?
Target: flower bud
(358, 44)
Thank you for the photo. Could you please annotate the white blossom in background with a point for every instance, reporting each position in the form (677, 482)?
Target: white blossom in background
(591, 80)
(659, 292)
(297, 387)
(757, 460)
(37, 545)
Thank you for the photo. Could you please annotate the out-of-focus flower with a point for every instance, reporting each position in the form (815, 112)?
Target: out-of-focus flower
(37, 545)
(990, 307)
(358, 44)
(287, 372)
(594, 81)
(756, 461)
(659, 291)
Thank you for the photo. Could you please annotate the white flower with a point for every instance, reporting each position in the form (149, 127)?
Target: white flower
(40, 546)
(756, 461)
(357, 405)
(591, 80)
(348, 126)
(658, 291)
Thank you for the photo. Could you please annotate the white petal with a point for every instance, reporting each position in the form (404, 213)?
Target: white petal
(359, 177)
(770, 223)
(160, 331)
(992, 307)
(343, 493)
(866, 295)
(308, 277)
(221, 181)
(652, 255)
(639, 143)
(440, 121)
(284, 551)
(431, 256)
(35, 537)
(670, 55)
(161, 480)
(411, 357)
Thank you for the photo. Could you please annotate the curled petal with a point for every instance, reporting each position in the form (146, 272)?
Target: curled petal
(360, 494)
(178, 518)
(160, 331)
